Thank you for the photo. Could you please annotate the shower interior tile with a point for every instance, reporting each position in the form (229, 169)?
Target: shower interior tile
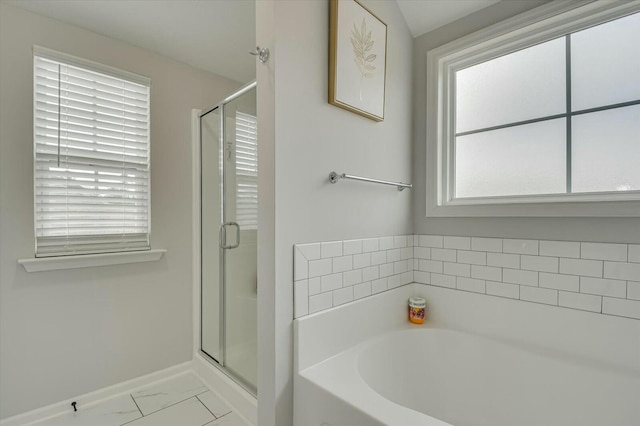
(112, 412)
(186, 413)
(169, 392)
(214, 404)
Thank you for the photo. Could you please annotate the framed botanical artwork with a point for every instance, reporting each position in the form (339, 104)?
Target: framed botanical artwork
(357, 59)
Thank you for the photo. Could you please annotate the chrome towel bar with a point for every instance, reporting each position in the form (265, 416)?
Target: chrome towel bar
(335, 177)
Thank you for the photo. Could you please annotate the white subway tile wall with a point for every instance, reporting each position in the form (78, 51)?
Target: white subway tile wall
(633, 290)
(560, 249)
(594, 277)
(329, 274)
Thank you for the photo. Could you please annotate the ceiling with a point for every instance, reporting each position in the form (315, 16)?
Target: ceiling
(213, 35)
(423, 16)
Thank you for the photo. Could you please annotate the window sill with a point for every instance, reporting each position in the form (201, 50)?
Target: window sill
(575, 209)
(90, 260)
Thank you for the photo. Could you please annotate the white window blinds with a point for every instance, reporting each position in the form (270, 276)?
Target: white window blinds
(246, 171)
(91, 143)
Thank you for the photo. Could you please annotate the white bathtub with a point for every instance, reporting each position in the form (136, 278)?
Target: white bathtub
(394, 373)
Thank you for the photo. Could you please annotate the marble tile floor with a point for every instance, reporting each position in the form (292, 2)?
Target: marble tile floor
(180, 401)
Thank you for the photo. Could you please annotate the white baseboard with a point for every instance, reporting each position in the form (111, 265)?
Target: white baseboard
(242, 402)
(95, 397)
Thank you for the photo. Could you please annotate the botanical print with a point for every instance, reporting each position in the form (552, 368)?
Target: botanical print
(362, 46)
(357, 59)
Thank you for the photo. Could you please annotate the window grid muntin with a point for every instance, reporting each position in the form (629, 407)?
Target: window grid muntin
(552, 117)
(568, 119)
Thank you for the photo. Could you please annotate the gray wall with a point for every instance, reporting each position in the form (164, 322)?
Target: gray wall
(560, 228)
(311, 138)
(65, 333)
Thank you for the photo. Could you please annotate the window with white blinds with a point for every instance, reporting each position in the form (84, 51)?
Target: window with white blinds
(246, 171)
(91, 144)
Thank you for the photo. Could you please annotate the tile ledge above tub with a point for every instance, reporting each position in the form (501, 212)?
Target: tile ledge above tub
(90, 260)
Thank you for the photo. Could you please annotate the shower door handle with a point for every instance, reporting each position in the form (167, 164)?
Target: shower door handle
(223, 235)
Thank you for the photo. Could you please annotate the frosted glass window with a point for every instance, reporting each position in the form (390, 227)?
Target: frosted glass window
(522, 160)
(526, 84)
(546, 110)
(605, 63)
(606, 150)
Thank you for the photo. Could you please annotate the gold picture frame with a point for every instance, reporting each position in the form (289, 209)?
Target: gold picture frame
(357, 59)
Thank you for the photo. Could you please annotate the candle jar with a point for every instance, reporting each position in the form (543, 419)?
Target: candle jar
(417, 307)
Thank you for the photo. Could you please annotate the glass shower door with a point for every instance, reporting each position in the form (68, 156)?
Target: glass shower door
(241, 212)
(229, 192)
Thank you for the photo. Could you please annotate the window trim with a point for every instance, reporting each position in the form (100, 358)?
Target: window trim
(54, 55)
(56, 263)
(536, 26)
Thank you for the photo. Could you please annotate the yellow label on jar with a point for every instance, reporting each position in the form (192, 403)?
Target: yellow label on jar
(416, 315)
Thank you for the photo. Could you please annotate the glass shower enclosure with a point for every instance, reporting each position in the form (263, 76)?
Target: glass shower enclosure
(229, 226)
